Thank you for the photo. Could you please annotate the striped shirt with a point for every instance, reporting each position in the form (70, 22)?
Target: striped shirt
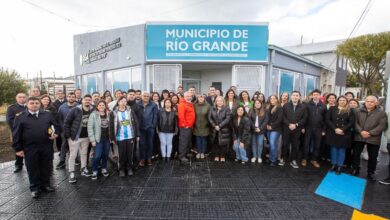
(125, 131)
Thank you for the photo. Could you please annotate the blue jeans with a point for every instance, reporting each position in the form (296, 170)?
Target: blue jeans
(240, 151)
(257, 145)
(146, 143)
(337, 155)
(166, 143)
(273, 145)
(201, 144)
(100, 151)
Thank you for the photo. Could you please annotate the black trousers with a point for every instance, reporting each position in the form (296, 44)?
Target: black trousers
(349, 155)
(125, 151)
(290, 137)
(313, 138)
(185, 138)
(38, 160)
(59, 143)
(373, 151)
(219, 150)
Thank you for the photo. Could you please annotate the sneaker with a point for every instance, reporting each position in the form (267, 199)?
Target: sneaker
(304, 163)
(216, 159)
(150, 162)
(281, 162)
(197, 156)
(243, 162)
(259, 160)
(130, 172)
(315, 164)
(85, 172)
(105, 173)
(77, 162)
(294, 164)
(141, 163)
(222, 159)
(202, 156)
(338, 170)
(385, 181)
(253, 160)
(72, 177)
(60, 165)
(94, 175)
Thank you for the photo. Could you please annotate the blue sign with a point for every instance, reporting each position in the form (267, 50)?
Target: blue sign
(207, 42)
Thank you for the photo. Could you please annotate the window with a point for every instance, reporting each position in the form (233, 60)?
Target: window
(275, 82)
(310, 84)
(241, 74)
(124, 79)
(92, 83)
(285, 81)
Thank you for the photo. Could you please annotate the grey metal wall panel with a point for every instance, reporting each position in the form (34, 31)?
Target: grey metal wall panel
(289, 63)
(130, 53)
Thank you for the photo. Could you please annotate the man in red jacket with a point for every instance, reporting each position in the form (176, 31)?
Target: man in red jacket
(186, 116)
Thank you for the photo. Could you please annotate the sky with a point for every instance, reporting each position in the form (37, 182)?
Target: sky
(37, 35)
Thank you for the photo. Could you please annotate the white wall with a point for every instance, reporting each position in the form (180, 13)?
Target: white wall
(216, 75)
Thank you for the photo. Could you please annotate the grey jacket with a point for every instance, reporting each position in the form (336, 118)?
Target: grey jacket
(94, 127)
(374, 122)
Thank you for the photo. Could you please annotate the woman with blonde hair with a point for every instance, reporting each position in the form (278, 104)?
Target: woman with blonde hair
(219, 118)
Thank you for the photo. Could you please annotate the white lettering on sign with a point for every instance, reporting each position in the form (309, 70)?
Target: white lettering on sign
(206, 40)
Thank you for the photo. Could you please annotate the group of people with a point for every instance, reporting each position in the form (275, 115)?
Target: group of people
(133, 128)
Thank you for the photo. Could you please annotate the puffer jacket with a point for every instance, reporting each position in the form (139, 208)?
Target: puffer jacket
(242, 130)
(222, 119)
(94, 126)
(186, 114)
(73, 122)
(374, 122)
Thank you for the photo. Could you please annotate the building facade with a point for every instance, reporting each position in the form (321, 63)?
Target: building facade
(157, 56)
(325, 54)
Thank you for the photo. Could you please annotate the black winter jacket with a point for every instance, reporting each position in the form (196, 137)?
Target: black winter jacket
(73, 122)
(299, 116)
(345, 122)
(222, 119)
(167, 124)
(242, 130)
(276, 119)
(316, 114)
(262, 121)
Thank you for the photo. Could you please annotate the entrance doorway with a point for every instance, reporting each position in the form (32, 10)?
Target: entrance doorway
(188, 83)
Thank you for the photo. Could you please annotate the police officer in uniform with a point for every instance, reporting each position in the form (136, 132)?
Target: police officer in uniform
(12, 111)
(33, 135)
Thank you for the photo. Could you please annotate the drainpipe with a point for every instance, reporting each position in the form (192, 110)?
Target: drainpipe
(268, 89)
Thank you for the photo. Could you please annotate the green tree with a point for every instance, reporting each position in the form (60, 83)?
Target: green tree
(10, 84)
(366, 58)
